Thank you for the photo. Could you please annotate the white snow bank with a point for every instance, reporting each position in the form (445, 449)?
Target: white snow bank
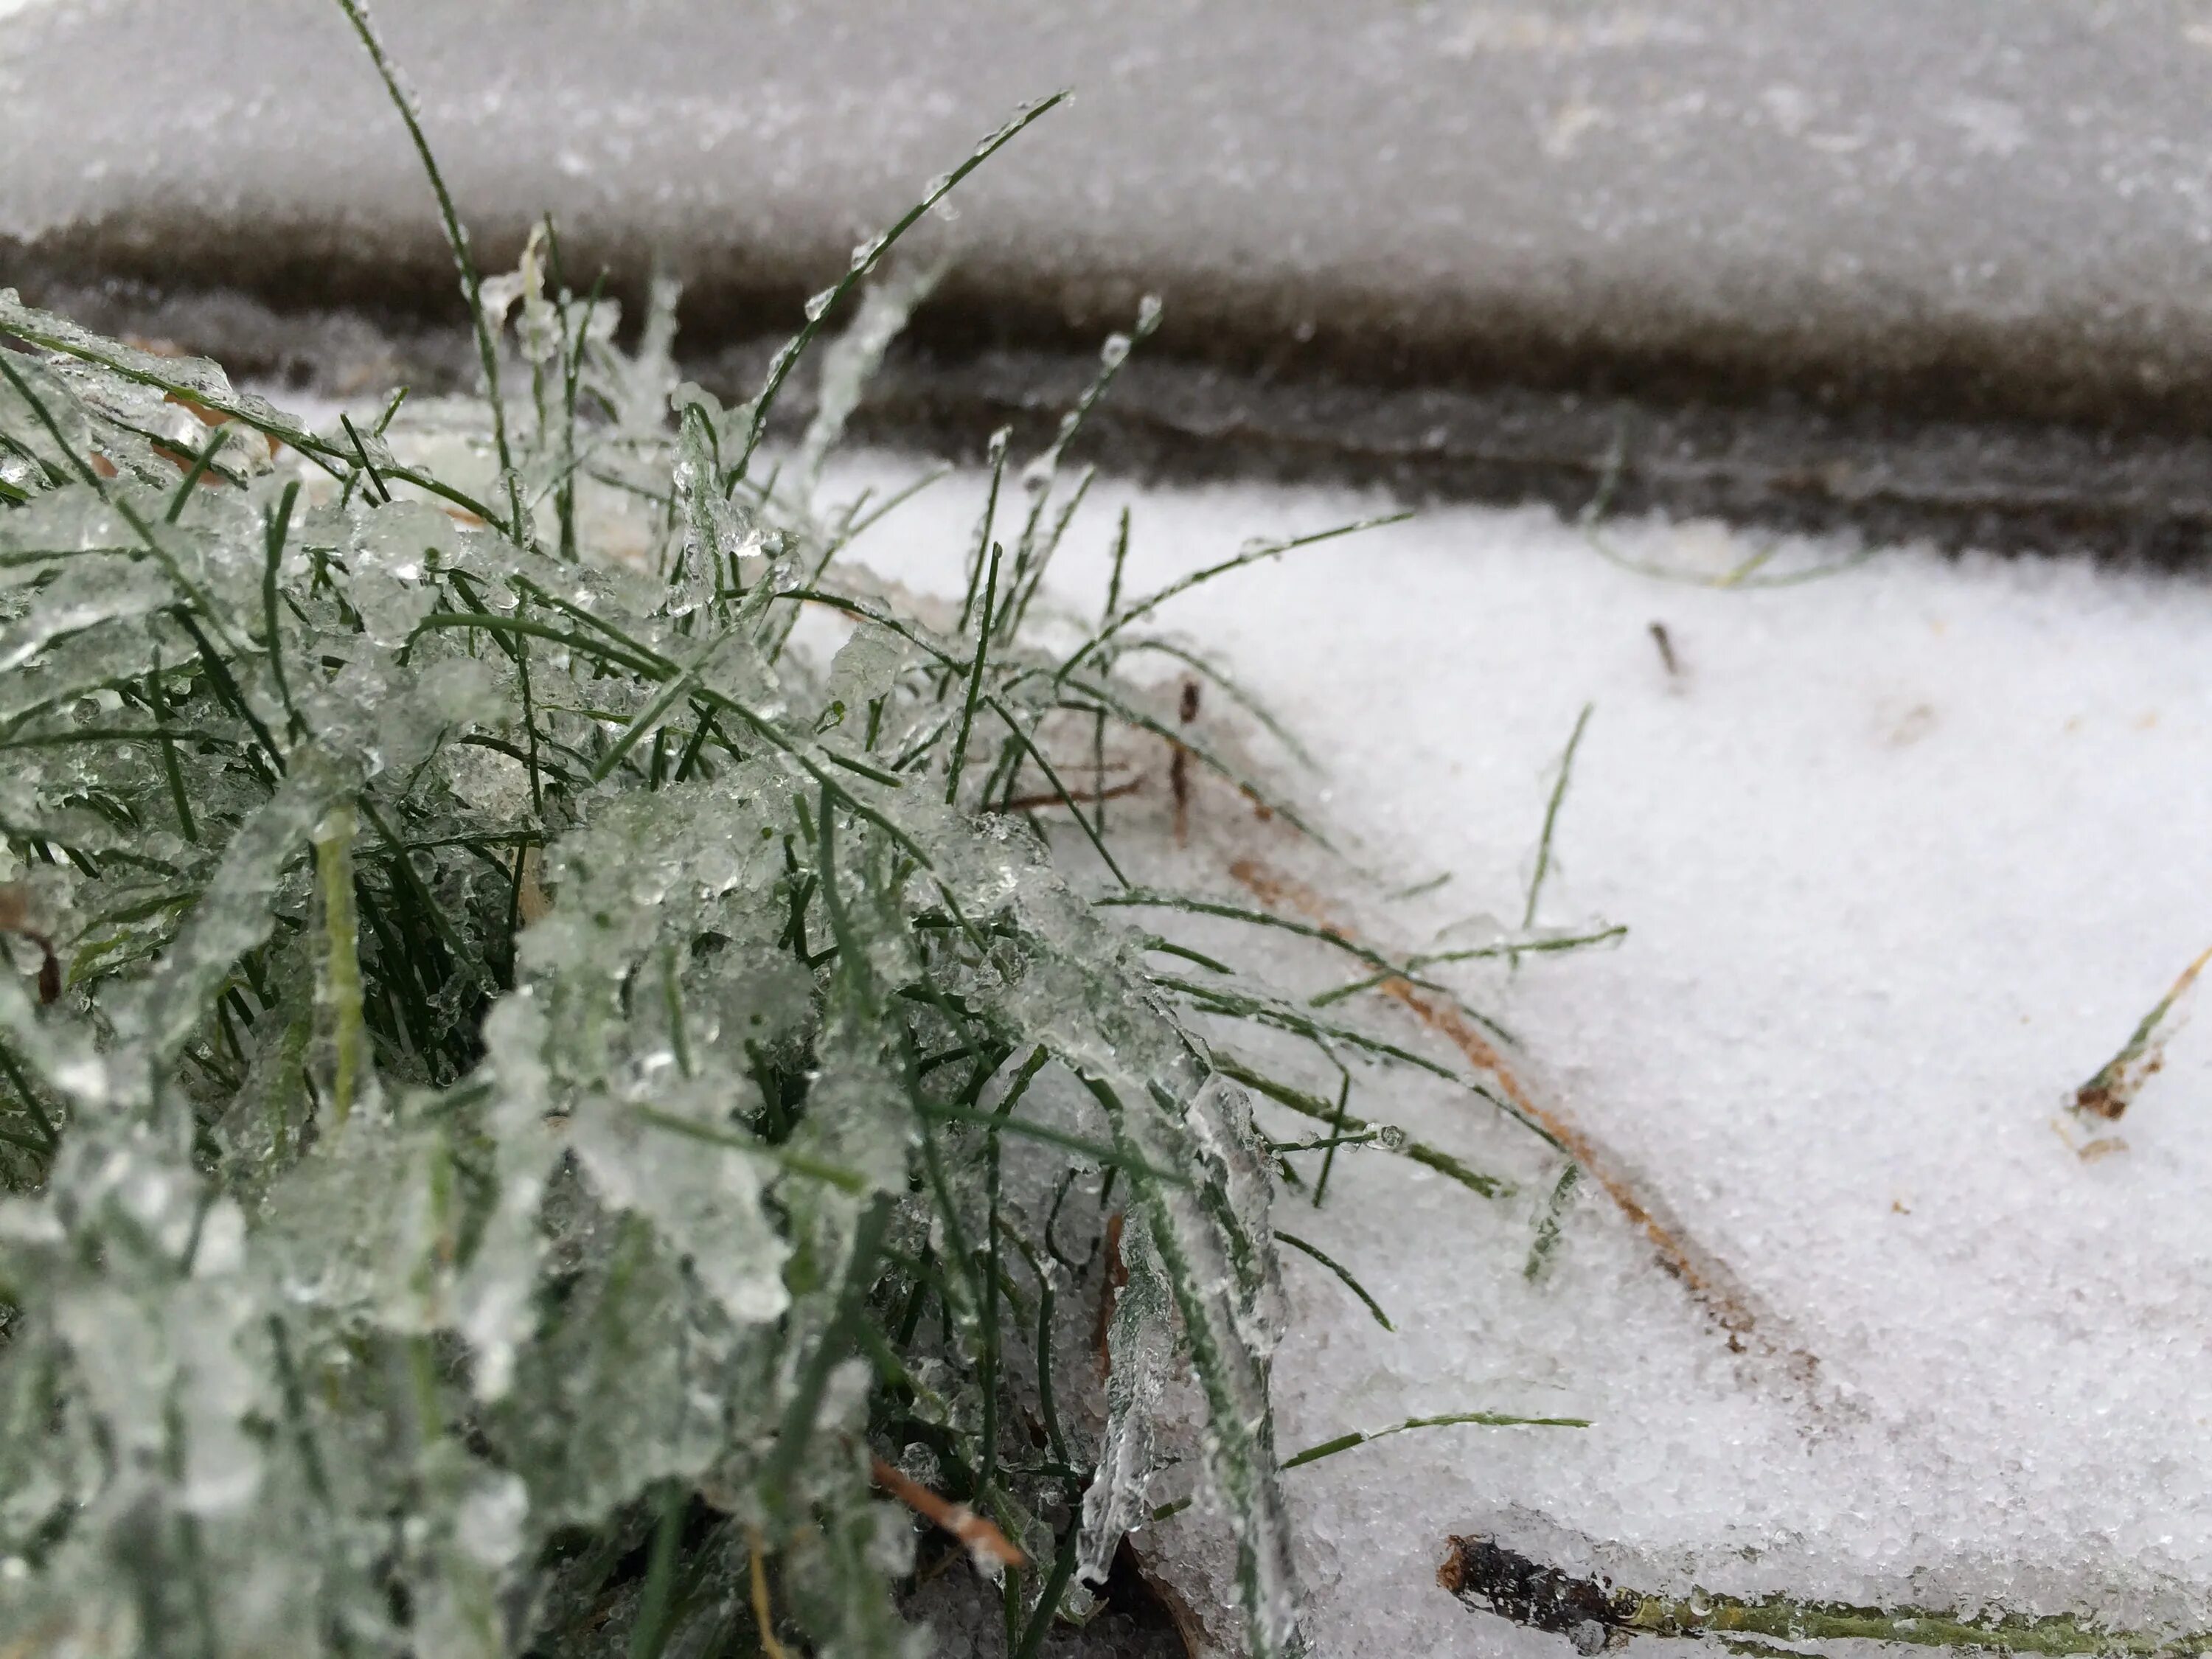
(1904, 852)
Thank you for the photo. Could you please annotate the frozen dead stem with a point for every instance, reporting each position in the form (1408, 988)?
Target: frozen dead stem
(1593, 1614)
(2109, 1093)
(1712, 1284)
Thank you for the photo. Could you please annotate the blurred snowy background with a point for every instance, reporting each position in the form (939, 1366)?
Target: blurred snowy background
(1905, 852)
(2016, 195)
(1794, 244)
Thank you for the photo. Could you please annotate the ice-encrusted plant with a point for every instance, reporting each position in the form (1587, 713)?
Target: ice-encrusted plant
(513, 1075)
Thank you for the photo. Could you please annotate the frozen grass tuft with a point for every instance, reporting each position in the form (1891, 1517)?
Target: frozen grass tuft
(515, 1128)
(547, 1116)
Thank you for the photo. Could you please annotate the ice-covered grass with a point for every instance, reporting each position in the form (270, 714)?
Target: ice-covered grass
(533, 1096)
(556, 1069)
(512, 1124)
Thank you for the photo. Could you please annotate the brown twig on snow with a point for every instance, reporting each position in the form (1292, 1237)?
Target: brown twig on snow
(1054, 798)
(1594, 1614)
(982, 1537)
(1179, 766)
(1711, 1283)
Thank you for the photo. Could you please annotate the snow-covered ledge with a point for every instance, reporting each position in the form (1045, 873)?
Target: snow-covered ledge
(1771, 250)
(1766, 189)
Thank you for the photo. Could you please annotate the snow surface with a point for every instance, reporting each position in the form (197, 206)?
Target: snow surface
(1904, 852)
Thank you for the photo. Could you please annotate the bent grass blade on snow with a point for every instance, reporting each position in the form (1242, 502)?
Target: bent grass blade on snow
(1552, 819)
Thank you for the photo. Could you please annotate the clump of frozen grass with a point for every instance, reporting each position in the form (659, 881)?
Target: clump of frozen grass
(513, 1127)
(517, 1132)
(532, 1101)
(538, 1100)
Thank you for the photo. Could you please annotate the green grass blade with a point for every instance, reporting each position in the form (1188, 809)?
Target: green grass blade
(1342, 1272)
(1552, 816)
(865, 259)
(457, 237)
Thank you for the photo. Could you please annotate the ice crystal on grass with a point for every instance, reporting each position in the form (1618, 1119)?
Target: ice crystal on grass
(537, 1096)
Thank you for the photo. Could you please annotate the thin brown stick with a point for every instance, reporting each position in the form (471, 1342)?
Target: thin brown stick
(763, 1615)
(1054, 798)
(1179, 766)
(981, 1536)
(1709, 1280)
(1594, 1614)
